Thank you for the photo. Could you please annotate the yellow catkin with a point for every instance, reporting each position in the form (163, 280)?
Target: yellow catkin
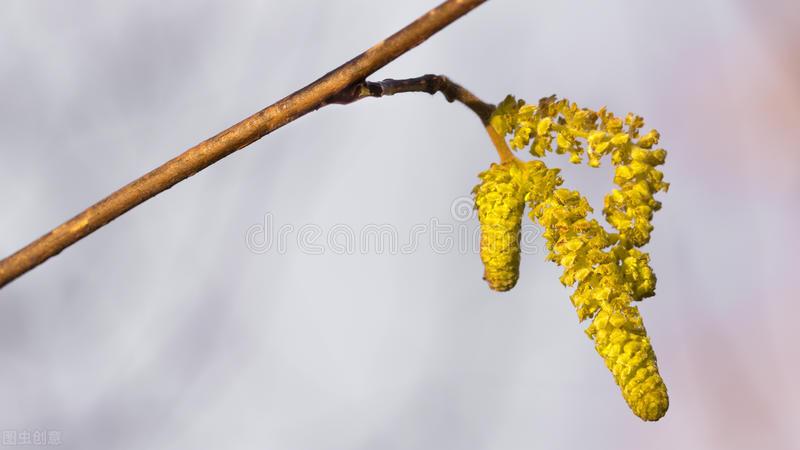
(620, 338)
(500, 201)
(609, 278)
(609, 269)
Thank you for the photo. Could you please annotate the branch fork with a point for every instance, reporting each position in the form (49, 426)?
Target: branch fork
(345, 84)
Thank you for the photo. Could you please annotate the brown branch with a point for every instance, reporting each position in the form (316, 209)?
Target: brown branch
(238, 136)
(431, 84)
(427, 83)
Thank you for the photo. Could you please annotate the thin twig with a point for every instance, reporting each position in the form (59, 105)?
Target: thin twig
(427, 83)
(431, 84)
(234, 138)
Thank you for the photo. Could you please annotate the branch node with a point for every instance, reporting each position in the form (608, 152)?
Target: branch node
(343, 85)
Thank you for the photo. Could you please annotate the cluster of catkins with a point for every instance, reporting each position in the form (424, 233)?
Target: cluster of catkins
(607, 268)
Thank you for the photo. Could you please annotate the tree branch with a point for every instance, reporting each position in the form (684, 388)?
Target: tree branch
(427, 83)
(431, 84)
(238, 136)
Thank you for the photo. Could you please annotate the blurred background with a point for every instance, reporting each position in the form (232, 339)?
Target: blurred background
(178, 326)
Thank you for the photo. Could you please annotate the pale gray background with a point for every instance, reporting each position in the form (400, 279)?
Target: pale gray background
(163, 330)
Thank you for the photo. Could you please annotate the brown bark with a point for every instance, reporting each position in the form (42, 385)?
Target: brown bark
(234, 138)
